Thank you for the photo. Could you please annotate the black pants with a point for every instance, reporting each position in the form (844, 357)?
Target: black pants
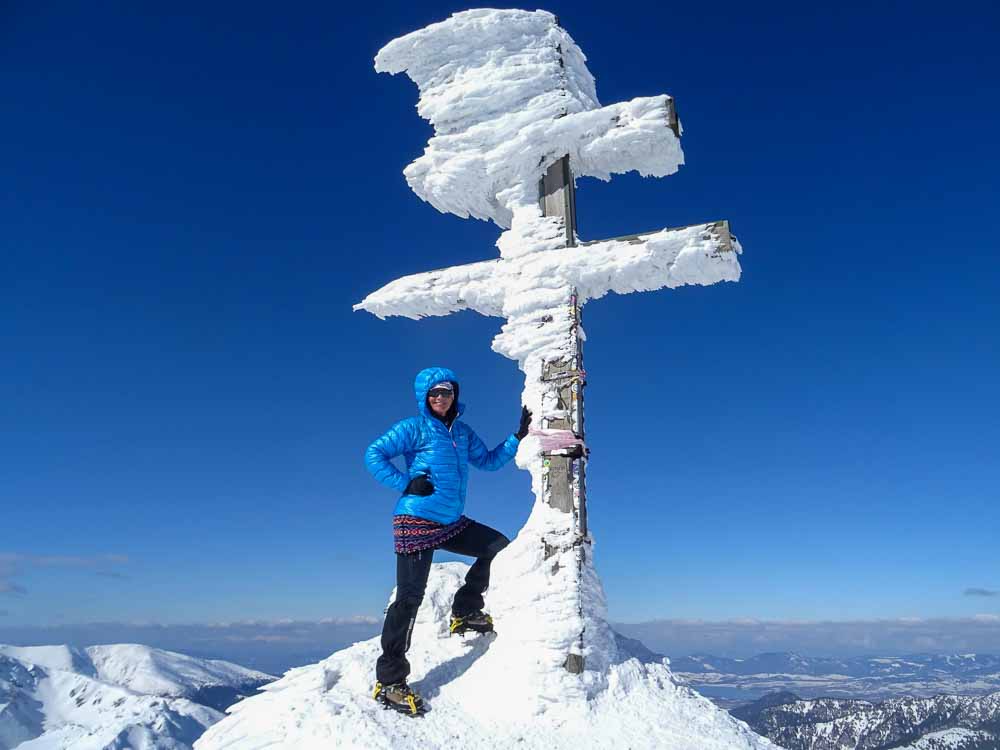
(475, 540)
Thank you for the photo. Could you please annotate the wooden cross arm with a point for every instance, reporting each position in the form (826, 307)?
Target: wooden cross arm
(701, 254)
(641, 135)
(470, 287)
(719, 229)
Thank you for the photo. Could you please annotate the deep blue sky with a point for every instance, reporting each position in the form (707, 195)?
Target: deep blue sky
(193, 195)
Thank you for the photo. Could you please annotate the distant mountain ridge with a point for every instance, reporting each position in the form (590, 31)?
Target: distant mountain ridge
(946, 722)
(113, 697)
(920, 665)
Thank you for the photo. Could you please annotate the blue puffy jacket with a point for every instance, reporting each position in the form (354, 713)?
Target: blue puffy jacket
(431, 448)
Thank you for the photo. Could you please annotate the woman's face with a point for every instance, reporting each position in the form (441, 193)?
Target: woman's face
(440, 400)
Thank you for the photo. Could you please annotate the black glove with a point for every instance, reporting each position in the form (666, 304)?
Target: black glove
(522, 429)
(419, 485)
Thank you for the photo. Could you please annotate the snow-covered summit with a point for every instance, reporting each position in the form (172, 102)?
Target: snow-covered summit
(113, 697)
(509, 691)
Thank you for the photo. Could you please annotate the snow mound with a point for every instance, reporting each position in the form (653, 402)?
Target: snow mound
(508, 691)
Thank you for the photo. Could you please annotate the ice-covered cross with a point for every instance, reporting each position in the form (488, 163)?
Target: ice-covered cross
(516, 118)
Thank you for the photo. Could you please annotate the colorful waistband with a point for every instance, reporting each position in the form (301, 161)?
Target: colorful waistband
(413, 534)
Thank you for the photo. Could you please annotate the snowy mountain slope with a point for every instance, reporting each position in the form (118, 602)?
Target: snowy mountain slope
(502, 692)
(21, 717)
(955, 739)
(85, 714)
(64, 658)
(153, 671)
(142, 669)
(969, 723)
(111, 697)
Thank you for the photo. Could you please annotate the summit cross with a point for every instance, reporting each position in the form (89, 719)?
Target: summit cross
(516, 120)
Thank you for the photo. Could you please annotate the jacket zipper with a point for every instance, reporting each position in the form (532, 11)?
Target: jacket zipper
(454, 445)
(458, 461)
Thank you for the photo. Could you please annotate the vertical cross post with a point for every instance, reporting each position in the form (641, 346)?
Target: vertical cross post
(557, 196)
(564, 483)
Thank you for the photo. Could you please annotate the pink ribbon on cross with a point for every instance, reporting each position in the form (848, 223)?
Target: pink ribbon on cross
(554, 440)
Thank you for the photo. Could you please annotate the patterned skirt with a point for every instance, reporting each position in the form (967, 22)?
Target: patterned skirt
(412, 534)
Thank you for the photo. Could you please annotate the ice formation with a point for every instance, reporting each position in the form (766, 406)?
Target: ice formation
(508, 93)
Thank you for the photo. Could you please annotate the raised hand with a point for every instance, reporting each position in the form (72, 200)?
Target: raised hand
(522, 428)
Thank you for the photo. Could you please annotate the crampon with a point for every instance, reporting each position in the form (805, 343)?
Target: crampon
(476, 622)
(399, 697)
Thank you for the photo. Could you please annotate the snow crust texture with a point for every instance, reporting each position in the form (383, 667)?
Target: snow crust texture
(535, 283)
(508, 93)
(509, 691)
(118, 697)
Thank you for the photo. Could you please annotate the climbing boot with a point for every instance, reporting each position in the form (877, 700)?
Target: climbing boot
(399, 697)
(477, 622)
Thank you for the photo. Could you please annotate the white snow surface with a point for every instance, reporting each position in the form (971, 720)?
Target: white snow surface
(508, 93)
(117, 697)
(508, 691)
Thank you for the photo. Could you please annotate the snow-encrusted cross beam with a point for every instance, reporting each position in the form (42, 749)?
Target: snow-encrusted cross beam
(516, 116)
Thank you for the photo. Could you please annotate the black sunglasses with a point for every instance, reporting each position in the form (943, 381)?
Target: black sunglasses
(439, 392)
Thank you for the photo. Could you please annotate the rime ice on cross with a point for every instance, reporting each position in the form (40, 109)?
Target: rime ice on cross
(516, 117)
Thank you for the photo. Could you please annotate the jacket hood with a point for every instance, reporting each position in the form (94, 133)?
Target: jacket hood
(429, 377)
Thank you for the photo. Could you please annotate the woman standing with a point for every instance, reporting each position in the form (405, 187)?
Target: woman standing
(437, 448)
